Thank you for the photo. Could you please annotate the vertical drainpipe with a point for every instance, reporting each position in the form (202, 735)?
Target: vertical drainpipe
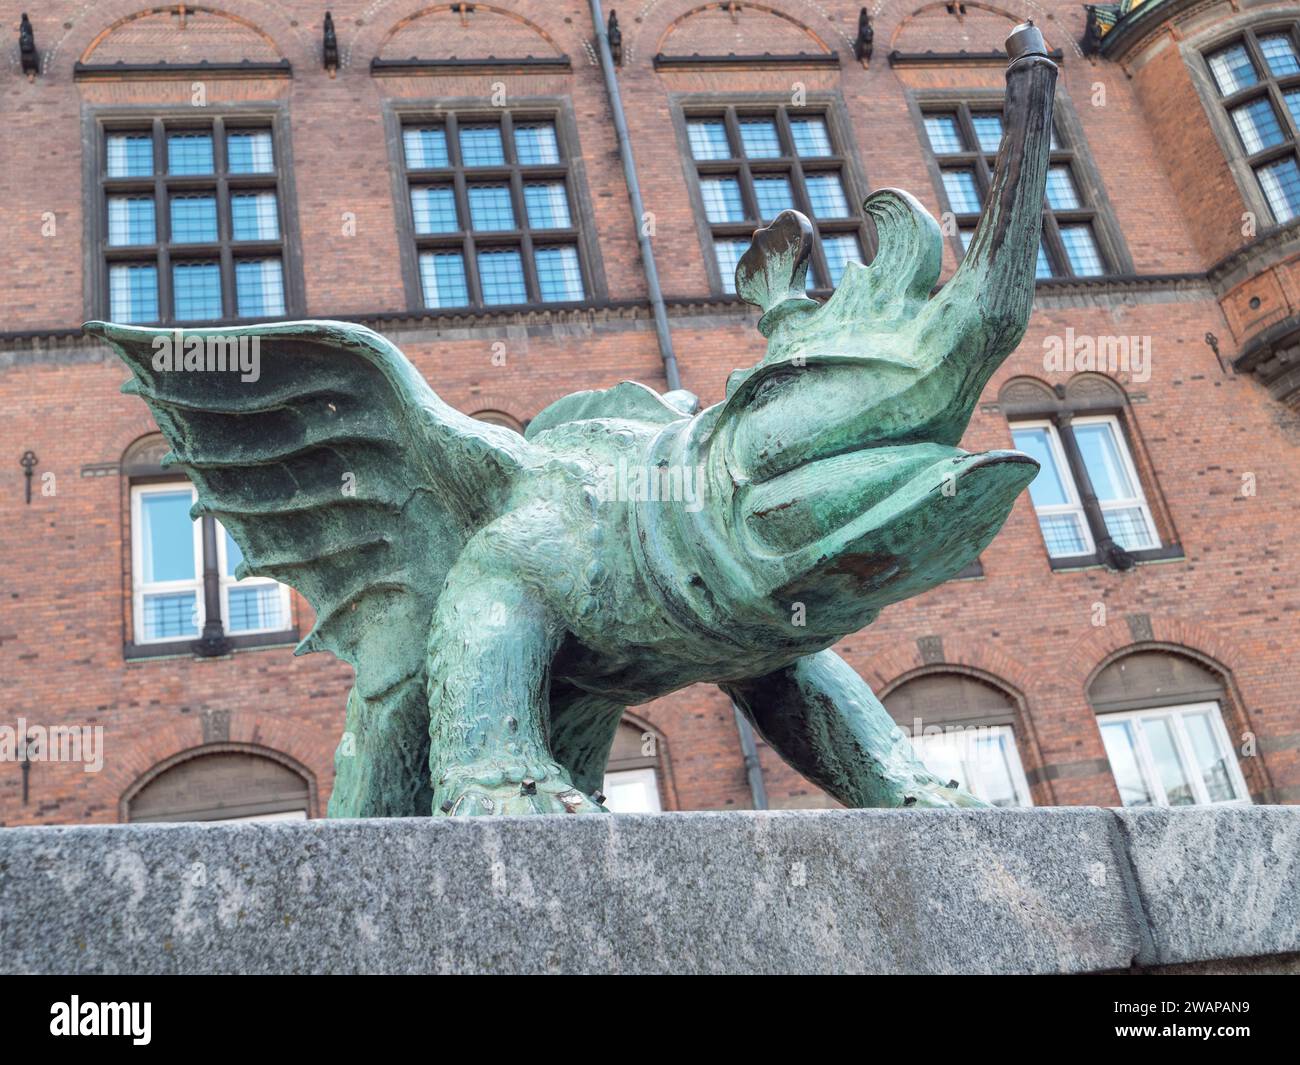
(748, 745)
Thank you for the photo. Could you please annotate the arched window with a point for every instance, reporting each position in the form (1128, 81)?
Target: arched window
(633, 773)
(1092, 501)
(1161, 720)
(499, 417)
(184, 592)
(963, 729)
(228, 785)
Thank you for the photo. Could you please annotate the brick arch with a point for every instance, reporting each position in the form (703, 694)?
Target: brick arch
(662, 752)
(189, 754)
(645, 29)
(159, 37)
(167, 744)
(696, 31)
(91, 23)
(891, 17)
(497, 401)
(517, 35)
(901, 660)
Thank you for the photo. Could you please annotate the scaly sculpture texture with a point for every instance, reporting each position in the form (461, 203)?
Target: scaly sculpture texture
(503, 599)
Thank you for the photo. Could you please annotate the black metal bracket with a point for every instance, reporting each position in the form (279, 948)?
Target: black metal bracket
(31, 59)
(330, 52)
(28, 463)
(615, 36)
(862, 44)
(1213, 343)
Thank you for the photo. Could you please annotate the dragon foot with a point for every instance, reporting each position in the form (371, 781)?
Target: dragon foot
(943, 797)
(485, 789)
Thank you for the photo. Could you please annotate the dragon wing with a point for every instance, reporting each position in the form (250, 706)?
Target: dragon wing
(336, 469)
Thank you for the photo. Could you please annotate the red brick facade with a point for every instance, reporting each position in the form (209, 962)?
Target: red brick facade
(1215, 448)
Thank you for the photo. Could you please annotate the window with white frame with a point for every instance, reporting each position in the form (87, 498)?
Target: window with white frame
(1085, 460)
(170, 557)
(632, 791)
(1172, 756)
(983, 758)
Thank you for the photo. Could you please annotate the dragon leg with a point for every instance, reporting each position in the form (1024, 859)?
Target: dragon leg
(823, 719)
(490, 652)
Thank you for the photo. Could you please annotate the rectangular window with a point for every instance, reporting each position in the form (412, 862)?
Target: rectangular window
(168, 564)
(1173, 756)
(183, 208)
(753, 163)
(492, 211)
(1258, 83)
(983, 757)
(964, 140)
(1086, 458)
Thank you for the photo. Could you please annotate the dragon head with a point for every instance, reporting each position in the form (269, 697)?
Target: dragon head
(838, 449)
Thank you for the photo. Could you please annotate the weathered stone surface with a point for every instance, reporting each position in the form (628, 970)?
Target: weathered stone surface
(1216, 882)
(833, 891)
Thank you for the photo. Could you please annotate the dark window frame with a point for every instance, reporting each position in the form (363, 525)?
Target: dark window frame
(844, 161)
(1245, 165)
(451, 114)
(1060, 411)
(1072, 151)
(158, 121)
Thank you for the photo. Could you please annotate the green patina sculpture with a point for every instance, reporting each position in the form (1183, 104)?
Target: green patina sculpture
(504, 598)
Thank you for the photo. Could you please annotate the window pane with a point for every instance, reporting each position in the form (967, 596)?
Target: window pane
(1063, 534)
(254, 216)
(708, 138)
(1281, 184)
(945, 137)
(1061, 193)
(1279, 54)
(167, 537)
(442, 276)
(548, 205)
(826, 196)
(967, 235)
(194, 219)
(234, 554)
(1101, 458)
(988, 131)
(729, 253)
(501, 273)
(433, 210)
(1128, 527)
(1047, 489)
(631, 791)
(1081, 250)
(490, 208)
(963, 196)
(196, 291)
(758, 138)
(811, 138)
(250, 152)
(170, 616)
(1232, 69)
(259, 288)
(1257, 125)
(773, 195)
(130, 155)
(1118, 739)
(257, 608)
(1211, 759)
(131, 220)
(133, 293)
(990, 756)
(1292, 99)
(481, 146)
(189, 153)
(425, 147)
(536, 144)
(840, 250)
(722, 200)
(1043, 267)
(558, 275)
(1169, 767)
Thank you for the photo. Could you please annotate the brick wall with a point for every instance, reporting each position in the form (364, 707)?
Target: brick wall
(1231, 601)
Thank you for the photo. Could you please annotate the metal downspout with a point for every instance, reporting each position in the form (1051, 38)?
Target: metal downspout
(748, 745)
